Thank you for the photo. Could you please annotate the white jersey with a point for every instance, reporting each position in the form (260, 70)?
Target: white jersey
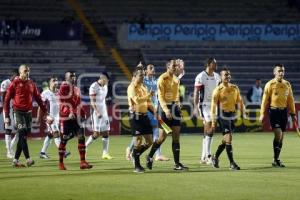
(4, 86)
(51, 97)
(207, 84)
(100, 93)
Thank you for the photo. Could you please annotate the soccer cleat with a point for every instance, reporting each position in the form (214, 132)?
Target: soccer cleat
(139, 169)
(10, 154)
(202, 161)
(29, 163)
(128, 155)
(44, 155)
(149, 162)
(17, 164)
(106, 156)
(180, 166)
(278, 163)
(61, 166)
(234, 166)
(85, 165)
(215, 162)
(161, 158)
(67, 154)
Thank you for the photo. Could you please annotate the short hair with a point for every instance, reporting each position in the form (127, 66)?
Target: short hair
(225, 68)
(277, 65)
(208, 61)
(105, 74)
(136, 71)
(51, 77)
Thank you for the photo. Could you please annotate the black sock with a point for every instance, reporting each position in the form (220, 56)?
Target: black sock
(154, 147)
(220, 149)
(277, 149)
(176, 152)
(18, 150)
(136, 154)
(23, 140)
(143, 149)
(229, 152)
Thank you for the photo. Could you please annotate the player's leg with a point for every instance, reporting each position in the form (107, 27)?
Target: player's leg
(96, 125)
(46, 143)
(105, 128)
(80, 132)
(65, 135)
(8, 133)
(136, 154)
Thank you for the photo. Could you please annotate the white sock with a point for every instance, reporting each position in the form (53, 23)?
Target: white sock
(89, 141)
(14, 141)
(105, 144)
(208, 141)
(46, 144)
(57, 141)
(155, 137)
(7, 141)
(203, 149)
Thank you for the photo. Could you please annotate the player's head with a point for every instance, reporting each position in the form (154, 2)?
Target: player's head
(258, 82)
(53, 82)
(180, 67)
(210, 63)
(150, 70)
(172, 66)
(24, 71)
(225, 75)
(14, 73)
(70, 77)
(142, 67)
(104, 78)
(278, 71)
(138, 75)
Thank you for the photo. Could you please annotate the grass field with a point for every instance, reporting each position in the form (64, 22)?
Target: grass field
(114, 179)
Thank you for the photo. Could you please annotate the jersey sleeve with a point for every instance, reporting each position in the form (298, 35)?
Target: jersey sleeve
(290, 101)
(3, 86)
(92, 90)
(199, 81)
(214, 104)
(266, 99)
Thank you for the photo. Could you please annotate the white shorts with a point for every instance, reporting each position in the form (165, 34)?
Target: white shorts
(100, 124)
(206, 112)
(12, 121)
(54, 127)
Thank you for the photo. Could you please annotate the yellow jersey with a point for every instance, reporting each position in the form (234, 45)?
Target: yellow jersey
(278, 94)
(227, 98)
(138, 98)
(168, 90)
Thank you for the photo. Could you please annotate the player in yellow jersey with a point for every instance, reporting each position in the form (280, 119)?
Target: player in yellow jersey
(278, 100)
(226, 96)
(169, 109)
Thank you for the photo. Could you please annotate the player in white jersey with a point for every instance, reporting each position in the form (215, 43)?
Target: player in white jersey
(49, 96)
(205, 83)
(100, 119)
(9, 143)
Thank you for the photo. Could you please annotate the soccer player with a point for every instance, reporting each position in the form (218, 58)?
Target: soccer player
(72, 117)
(50, 97)
(205, 83)
(227, 97)
(278, 100)
(22, 90)
(139, 100)
(9, 143)
(100, 119)
(169, 107)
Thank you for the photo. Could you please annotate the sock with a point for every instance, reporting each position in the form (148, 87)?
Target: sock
(62, 151)
(46, 144)
(18, 150)
(7, 141)
(105, 145)
(229, 152)
(136, 155)
(81, 149)
(89, 141)
(14, 140)
(208, 141)
(220, 149)
(23, 142)
(57, 142)
(155, 137)
(276, 148)
(130, 146)
(153, 149)
(203, 149)
(143, 149)
(176, 152)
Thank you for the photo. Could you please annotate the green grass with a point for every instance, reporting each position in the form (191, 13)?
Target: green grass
(114, 179)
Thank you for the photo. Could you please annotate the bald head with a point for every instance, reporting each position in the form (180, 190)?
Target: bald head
(24, 71)
(70, 77)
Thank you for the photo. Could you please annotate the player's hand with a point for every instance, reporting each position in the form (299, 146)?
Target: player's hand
(49, 119)
(261, 118)
(294, 118)
(152, 93)
(213, 126)
(35, 121)
(7, 121)
(169, 115)
(71, 116)
(99, 115)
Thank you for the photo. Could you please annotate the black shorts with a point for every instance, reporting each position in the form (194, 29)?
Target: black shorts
(278, 118)
(23, 119)
(140, 124)
(226, 122)
(176, 113)
(70, 128)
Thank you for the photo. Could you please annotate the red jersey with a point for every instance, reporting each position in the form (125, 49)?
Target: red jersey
(22, 92)
(70, 100)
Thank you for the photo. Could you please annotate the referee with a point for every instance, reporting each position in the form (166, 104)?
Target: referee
(169, 108)
(279, 101)
(226, 97)
(139, 100)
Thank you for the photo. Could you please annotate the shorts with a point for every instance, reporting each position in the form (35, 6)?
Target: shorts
(226, 122)
(278, 118)
(70, 128)
(140, 124)
(205, 111)
(100, 124)
(23, 119)
(153, 120)
(175, 111)
(54, 127)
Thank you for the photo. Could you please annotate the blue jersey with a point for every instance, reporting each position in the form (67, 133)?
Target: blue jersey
(151, 85)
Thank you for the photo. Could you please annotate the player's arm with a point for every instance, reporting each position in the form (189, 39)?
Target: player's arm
(6, 104)
(291, 103)
(161, 95)
(214, 104)
(265, 101)
(197, 90)
(240, 103)
(94, 106)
